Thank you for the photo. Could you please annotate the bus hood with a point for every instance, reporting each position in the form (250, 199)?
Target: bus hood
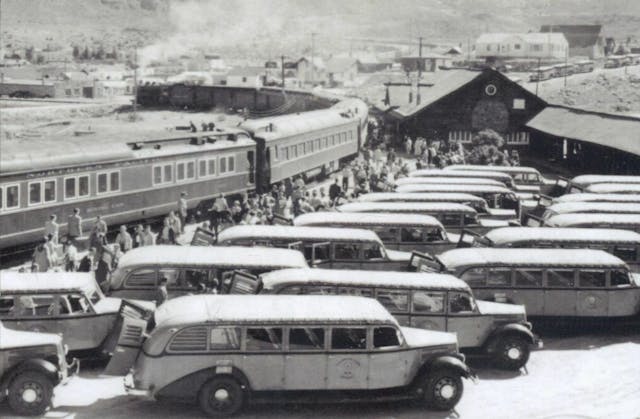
(492, 308)
(420, 338)
(398, 255)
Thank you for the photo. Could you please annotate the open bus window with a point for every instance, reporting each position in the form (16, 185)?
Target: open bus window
(306, 339)
(620, 278)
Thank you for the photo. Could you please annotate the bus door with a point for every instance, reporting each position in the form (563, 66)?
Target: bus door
(469, 238)
(244, 283)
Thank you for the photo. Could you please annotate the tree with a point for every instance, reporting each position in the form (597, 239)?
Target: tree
(28, 54)
(487, 149)
(99, 53)
(85, 53)
(76, 52)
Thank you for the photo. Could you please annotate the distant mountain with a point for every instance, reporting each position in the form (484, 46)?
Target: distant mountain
(275, 26)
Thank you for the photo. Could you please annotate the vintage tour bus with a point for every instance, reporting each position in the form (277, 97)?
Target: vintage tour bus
(454, 217)
(192, 269)
(596, 197)
(222, 351)
(526, 179)
(423, 300)
(591, 207)
(445, 180)
(70, 304)
(583, 284)
(439, 173)
(614, 188)
(580, 183)
(407, 232)
(334, 248)
(595, 220)
(476, 202)
(624, 244)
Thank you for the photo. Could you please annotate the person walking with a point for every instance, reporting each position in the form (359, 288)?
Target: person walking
(346, 172)
(182, 210)
(74, 225)
(51, 228)
(408, 145)
(42, 258)
(86, 263)
(70, 256)
(334, 191)
(124, 240)
(100, 225)
(148, 238)
(175, 223)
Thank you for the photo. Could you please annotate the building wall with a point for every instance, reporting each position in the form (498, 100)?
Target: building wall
(519, 48)
(244, 81)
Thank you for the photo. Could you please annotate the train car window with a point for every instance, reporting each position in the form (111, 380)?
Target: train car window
(304, 148)
(49, 190)
(1, 198)
(83, 186)
(102, 183)
(310, 146)
(157, 175)
(275, 153)
(333, 140)
(167, 173)
(11, 197)
(223, 165)
(114, 184)
(211, 167)
(294, 153)
(318, 144)
(70, 188)
(301, 150)
(202, 168)
(180, 171)
(326, 142)
(286, 153)
(35, 193)
(231, 164)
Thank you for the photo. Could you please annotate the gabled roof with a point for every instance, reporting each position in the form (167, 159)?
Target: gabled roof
(578, 36)
(615, 131)
(340, 64)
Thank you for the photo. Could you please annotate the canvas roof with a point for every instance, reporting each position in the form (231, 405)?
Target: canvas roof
(507, 235)
(615, 131)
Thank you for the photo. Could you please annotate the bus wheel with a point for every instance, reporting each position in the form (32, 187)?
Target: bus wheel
(221, 396)
(512, 352)
(442, 389)
(30, 393)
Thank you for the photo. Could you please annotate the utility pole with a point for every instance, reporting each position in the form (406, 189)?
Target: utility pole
(135, 83)
(566, 66)
(282, 66)
(538, 78)
(313, 36)
(419, 70)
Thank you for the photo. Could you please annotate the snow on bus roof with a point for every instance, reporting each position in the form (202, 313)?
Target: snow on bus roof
(328, 217)
(452, 173)
(345, 277)
(295, 233)
(446, 207)
(592, 218)
(427, 187)
(77, 151)
(592, 179)
(17, 282)
(614, 188)
(419, 197)
(213, 256)
(448, 181)
(597, 197)
(22, 339)
(283, 126)
(605, 207)
(454, 258)
(506, 235)
(283, 309)
(504, 169)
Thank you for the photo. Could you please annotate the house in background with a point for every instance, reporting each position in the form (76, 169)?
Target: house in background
(309, 73)
(550, 45)
(584, 40)
(249, 76)
(341, 71)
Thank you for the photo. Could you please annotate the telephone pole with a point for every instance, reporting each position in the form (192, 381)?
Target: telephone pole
(419, 70)
(282, 66)
(313, 70)
(135, 83)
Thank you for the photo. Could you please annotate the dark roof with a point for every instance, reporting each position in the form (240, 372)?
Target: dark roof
(616, 131)
(578, 36)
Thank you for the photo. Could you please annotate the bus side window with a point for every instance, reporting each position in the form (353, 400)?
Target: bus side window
(528, 278)
(291, 290)
(372, 251)
(592, 278)
(385, 337)
(360, 292)
(346, 251)
(145, 278)
(475, 277)
(499, 277)
(434, 234)
(460, 303)
(560, 278)
(620, 278)
(428, 302)
(319, 290)
(386, 234)
(411, 235)
(394, 301)
(626, 253)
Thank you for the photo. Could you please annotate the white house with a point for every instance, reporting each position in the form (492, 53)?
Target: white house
(522, 45)
(249, 76)
(341, 71)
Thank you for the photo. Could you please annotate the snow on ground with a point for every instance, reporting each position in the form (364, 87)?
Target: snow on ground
(592, 376)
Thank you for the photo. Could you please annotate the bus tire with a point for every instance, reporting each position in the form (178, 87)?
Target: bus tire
(511, 352)
(30, 393)
(442, 389)
(221, 396)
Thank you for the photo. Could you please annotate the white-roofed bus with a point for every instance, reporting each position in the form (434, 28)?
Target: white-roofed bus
(407, 232)
(192, 269)
(526, 179)
(224, 351)
(424, 300)
(482, 174)
(573, 284)
(624, 244)
(580, 183)
(595, 220)
(334, 248)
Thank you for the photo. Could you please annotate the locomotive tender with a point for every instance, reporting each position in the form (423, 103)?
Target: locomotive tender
(126, 182)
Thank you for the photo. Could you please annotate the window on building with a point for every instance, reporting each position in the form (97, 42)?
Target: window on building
(518, 104)
(516, 46)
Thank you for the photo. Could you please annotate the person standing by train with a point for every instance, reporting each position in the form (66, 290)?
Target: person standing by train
(100, 226)
(74, 226)
(334, 191)
(182, 210)
(51, 228)
(42, 258)
(346, 173)
(148, 238)
(124, 239)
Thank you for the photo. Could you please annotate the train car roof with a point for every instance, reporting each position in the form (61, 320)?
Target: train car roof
(429, 187)
(340, 277)
(593, 179)
(270, 308)
(446, 207)
(212, 256)
(315, 218)
(454, 173)
(448, 181)
(507, 235)
(591, 218)
(604, 207)
(419, 197)
(596, 197)
(504, 169)
(296, 233)
(526, 257)
(284, 126)
(86, 150)
(614, 188)
(29, 282)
